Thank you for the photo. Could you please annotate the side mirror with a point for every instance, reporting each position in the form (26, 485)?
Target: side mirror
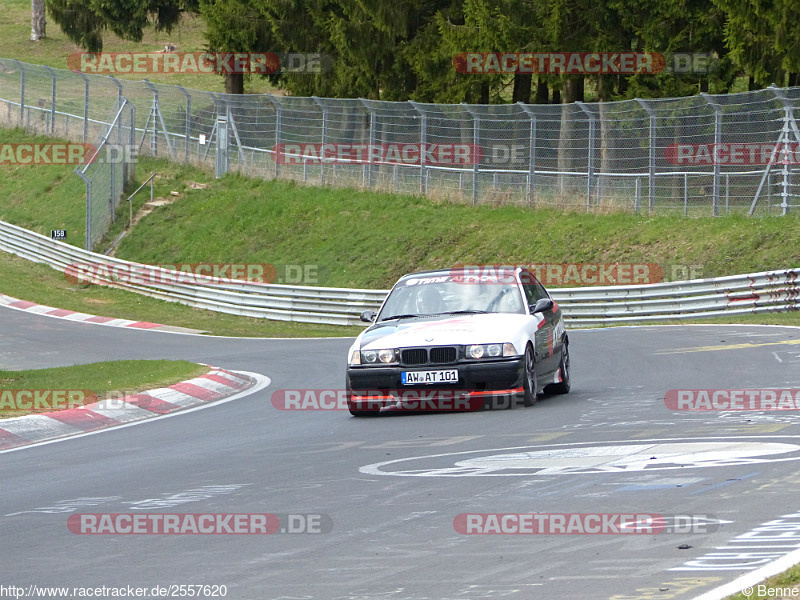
(368, 316)
(542, 304)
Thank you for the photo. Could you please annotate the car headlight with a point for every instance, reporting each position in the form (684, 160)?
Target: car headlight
(478, 351)
(355, 358)
(386, 356)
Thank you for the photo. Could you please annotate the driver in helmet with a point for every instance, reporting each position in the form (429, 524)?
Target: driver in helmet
(429, 300)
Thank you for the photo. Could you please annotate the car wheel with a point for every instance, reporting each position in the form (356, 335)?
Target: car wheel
(529, 378)
(563, 386)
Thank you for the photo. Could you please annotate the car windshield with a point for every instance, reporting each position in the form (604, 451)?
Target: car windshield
(448, 294)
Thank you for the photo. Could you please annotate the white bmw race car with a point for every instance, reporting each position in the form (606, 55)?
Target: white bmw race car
(455, 339)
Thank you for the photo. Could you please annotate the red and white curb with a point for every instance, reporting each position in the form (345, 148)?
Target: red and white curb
(71, 315)
(214, 386)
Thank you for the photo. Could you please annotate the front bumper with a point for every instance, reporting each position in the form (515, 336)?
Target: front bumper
(492, 383)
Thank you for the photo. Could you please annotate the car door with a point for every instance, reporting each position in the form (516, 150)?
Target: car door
(543, 341)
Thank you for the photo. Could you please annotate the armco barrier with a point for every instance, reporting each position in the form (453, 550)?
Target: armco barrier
(332, 306)
(771, 291)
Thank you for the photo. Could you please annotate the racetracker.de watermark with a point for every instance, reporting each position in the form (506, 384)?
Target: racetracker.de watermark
(581, 523)
(192, 274)
(583, 63)
(400, 153)
(31, 401)
(198, 523)
(731, 400)
(744, 153)
(48, 153)
(198, 590)
(65, 153)
(403, 400)
(563, 274)
(222, 63)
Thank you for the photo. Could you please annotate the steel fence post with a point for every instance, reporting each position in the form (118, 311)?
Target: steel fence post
(240, 151)
(685, 194)
(476, 141)
(119, 87)
(423, 136)
(85, 104)
(531, 152)
(123, 102)
(651, 190)
(112, 192)
(278, 125)
(324, 110)
(158, 117)
(132, 141)
(590, 158)
(187, 124)
(51, 126)
(368, 168)
(21, 93)
(221, 158)
(476, 137)
(717, 141)
(789, 123)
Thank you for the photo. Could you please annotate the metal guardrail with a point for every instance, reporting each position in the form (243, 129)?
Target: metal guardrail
(332, 306)
(771, 291)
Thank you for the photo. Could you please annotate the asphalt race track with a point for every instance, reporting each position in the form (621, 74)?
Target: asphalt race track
(391, 487)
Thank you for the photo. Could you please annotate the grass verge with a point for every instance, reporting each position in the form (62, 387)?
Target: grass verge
(34, 282)
(113, 379)
(53, 51)
(789, 579)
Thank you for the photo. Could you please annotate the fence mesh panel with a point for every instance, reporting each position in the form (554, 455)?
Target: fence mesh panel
(700, 155)
(108, 170)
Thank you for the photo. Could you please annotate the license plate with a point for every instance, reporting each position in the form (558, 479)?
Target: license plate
(428, 377)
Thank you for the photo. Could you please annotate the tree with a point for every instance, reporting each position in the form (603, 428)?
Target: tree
(79, 22)
(677, 26)
(299, 26)
(235, 26)
(478, 26)
(762, 38)
(368, 44)
(84, 21)
(38, 20)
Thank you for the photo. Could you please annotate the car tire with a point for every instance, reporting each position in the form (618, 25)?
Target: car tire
(563, 386)
(529, 378)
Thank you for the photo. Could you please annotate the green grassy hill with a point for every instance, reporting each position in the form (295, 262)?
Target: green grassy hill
(365, 239)
(352, 238)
